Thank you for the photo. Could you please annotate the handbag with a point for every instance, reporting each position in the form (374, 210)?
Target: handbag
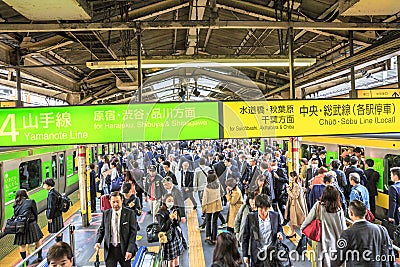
(278, 255)
(15, 225)
(116, 184)
(302, 245)
(152, 231)
(314, 229)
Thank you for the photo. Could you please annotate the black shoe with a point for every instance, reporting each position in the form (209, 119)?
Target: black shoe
(291, 236)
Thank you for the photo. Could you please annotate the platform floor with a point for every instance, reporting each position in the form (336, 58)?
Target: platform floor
(199, 253)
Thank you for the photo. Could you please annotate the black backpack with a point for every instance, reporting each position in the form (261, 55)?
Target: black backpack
(64, 202)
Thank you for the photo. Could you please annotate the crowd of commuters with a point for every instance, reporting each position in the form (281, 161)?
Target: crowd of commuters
(260, 195)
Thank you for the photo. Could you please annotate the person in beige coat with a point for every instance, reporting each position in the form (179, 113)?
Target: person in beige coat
(296, 210)
(235, 200)
(212, 206)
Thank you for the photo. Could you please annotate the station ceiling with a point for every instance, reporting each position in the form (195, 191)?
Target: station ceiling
(52, 41)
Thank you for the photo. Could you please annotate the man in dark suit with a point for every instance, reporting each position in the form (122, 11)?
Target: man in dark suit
(118, 229)
(372, 183)
(368, 244)
(243, 167)
(353, 168)
(187, 184)
(230, 171)
(254, 172)
(168, 172)
(262, 228)
(312, 171)
(394, 196)
(186, 157)
(219, 166)
(280, 181)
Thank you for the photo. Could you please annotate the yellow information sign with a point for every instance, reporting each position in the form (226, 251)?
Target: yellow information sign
(378, 93)
(277, 118)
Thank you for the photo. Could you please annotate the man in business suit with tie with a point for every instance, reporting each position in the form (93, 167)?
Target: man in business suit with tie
(118, 229)
(187, 184)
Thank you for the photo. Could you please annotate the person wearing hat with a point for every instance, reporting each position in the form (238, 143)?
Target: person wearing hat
(153, 190)
(235, 200)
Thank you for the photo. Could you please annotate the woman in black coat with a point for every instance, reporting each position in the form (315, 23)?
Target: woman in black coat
(26, 208)
(53, 212)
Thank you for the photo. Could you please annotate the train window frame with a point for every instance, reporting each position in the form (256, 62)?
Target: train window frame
(21, 171)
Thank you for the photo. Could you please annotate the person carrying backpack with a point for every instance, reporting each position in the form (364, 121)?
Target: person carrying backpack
(53, 212)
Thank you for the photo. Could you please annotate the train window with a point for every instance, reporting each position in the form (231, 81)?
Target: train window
(54, 166)
(310, 151)
(74, 162)
(61, 164)
(30, 173)
(390, 161)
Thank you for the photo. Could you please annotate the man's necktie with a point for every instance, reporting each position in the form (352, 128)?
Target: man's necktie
(115, 230)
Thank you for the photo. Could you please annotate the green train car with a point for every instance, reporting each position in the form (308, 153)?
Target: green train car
(28, 167)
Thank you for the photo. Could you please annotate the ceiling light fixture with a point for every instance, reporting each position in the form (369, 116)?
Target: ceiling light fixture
(185, 62)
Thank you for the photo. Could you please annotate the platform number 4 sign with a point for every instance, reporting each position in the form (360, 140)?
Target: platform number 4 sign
(11, 130)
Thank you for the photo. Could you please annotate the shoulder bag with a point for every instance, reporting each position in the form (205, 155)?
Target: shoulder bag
(314, 230)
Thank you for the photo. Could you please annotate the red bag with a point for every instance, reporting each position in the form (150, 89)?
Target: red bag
(369, 216)
(105, 202)
(314, 230)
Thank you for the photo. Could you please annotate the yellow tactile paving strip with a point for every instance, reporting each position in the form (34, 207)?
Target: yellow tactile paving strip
(196, 255)
(14, 256)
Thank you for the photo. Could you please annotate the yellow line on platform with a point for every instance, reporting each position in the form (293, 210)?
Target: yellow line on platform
(14, 256)
(196, 254)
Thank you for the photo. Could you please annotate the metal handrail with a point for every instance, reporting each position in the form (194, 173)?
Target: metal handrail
(71, 230)
(394, 246)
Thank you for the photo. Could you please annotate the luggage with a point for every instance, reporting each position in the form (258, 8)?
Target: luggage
(139, 256)
(105, 202)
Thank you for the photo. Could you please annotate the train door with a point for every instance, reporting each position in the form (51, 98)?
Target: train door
(58, 171)
(1, 195)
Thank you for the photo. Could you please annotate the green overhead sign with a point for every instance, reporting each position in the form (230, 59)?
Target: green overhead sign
(108, 123)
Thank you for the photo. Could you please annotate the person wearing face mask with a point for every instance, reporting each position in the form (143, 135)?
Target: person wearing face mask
(168, 218)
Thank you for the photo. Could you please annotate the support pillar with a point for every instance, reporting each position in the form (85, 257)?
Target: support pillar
(398, 71)
(353, 92)
(292, 92)
(295, 154)
(18, 79)
(83, 196)
(139, 58)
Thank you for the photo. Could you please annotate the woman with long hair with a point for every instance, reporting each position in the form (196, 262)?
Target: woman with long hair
(212, 206)
(26, 207)
(168, 218)
(240, 220)
(296, 207)
(235, 200)
(226, 252)
(329, 211)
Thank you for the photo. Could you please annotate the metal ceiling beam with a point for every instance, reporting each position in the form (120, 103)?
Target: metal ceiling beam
(266, 13)
(111, 52)
(187, 24)
(366, 55)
